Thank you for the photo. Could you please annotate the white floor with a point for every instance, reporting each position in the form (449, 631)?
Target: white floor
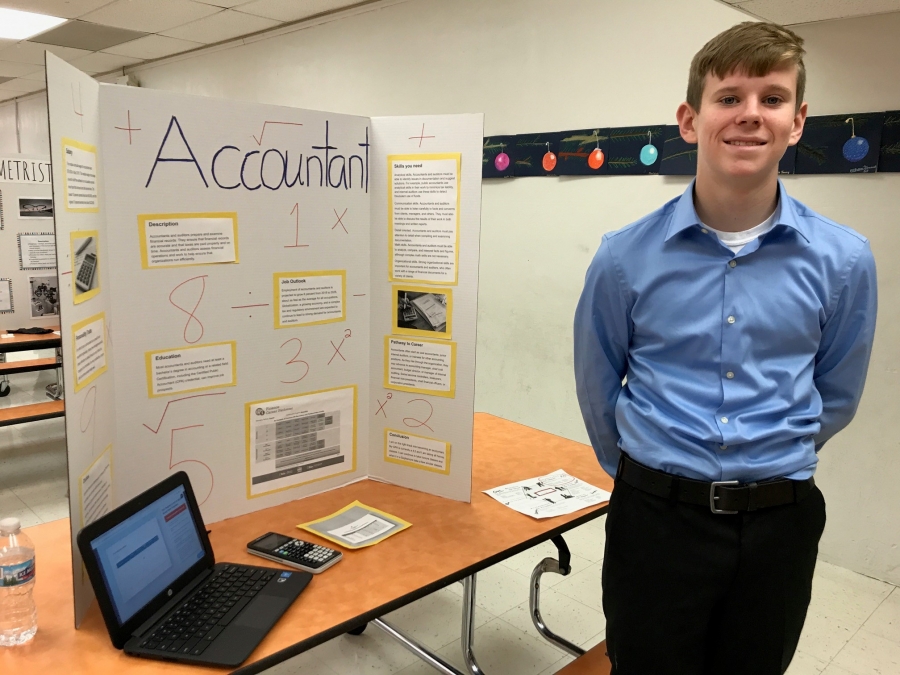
(853, 625)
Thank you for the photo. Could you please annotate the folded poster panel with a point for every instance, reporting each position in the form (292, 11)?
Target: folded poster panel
(247, 259)
(29, 287)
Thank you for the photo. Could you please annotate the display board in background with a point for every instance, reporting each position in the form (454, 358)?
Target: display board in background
(29, 287)
(246, 258)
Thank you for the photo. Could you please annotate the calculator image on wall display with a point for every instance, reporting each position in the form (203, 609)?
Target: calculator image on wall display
(85, 278)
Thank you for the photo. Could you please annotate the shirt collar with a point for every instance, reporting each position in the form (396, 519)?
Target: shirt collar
(685, 215)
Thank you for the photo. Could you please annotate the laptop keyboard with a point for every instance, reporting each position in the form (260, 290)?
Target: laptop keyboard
(195, 624)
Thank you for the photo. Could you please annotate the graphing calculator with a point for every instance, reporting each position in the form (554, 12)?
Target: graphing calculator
(297, 553)
(85, 277)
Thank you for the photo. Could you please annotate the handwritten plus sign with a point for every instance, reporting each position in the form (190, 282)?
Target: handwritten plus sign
(421, 136)
(129, 128)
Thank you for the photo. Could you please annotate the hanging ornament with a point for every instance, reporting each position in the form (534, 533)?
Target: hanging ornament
(649, 153)
(596, 158)
(856, 147)
(501, 161)
(549, 161)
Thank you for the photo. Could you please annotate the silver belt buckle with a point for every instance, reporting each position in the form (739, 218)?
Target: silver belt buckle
(713, 497)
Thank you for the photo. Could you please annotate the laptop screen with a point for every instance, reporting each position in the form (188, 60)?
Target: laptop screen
(143, 555)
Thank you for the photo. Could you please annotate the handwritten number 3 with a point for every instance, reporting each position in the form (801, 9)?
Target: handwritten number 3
(296, 360)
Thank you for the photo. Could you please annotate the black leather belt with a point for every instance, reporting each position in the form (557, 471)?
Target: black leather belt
(719, 496)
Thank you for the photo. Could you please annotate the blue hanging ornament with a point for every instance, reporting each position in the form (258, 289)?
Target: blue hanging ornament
(856, 147)
(649, 153)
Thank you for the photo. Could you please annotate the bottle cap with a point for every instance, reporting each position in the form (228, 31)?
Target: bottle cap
(10, 526)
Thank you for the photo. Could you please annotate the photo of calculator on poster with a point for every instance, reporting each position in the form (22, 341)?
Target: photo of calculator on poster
(85, 264)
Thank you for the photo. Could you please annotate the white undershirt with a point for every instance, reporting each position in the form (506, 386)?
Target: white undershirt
(737, 240)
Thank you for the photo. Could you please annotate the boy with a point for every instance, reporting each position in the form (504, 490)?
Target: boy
(741, 323)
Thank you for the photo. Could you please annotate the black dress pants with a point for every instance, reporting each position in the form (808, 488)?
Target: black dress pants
(690, 592)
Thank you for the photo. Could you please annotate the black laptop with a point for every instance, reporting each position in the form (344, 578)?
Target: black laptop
(161, 592)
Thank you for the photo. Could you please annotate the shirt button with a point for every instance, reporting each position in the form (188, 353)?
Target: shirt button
(704, 231)
(729, 375)
(731, 319)
(723, 447)
(732, 263)
(724, 420)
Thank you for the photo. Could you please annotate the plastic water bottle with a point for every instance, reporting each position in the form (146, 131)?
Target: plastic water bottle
(18, 615)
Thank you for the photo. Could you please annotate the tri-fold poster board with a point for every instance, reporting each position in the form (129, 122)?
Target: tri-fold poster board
(29, 288)
(283, 301)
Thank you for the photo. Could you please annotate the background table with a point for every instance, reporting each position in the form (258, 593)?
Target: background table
(448, 541)
(21, 342)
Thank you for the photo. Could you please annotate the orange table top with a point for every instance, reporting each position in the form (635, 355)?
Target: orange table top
(448, 541)
(20, 342)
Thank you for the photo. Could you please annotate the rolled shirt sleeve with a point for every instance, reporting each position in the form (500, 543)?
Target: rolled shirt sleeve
(602, 336)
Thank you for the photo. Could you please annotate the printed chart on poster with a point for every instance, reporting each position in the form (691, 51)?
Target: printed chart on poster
(299, 439)
(278, 304)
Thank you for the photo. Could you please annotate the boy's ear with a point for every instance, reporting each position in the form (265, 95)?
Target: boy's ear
(799, 122)
(686, 116)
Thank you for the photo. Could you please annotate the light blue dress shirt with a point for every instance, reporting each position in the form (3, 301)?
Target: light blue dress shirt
(736, 366)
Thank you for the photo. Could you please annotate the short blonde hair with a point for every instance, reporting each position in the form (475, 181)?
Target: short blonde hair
(754, 48)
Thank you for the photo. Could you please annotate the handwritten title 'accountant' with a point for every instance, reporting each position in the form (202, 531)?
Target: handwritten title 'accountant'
(230, 168)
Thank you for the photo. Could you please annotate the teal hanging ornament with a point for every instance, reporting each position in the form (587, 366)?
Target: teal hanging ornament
(856, 147)
(649, 153)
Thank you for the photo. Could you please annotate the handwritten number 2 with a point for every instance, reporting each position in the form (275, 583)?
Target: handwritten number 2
(295, 359)
(415, 423)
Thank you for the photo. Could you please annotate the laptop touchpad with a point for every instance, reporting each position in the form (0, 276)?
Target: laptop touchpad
(264, 611)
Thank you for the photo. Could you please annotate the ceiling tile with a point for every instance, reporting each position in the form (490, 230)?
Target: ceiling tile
(38, 75)
(21, 86)
(5, 79)
(223, 3)
(153, 47)
(98, 62)
(33, 52)
(85, 35)
(225, 25)
(790, 12)
(291, 10)
(69, 9)
(150, 16)
(12, 69)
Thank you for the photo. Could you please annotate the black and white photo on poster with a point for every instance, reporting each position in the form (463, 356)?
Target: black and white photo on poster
(35, 207)
(44, 295)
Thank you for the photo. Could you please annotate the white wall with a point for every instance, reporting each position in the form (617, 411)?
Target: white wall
(542, 65)
(854, 65)
(32, 121)
(530, 65)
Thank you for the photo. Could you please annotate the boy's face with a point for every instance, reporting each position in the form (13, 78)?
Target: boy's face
(744, 124)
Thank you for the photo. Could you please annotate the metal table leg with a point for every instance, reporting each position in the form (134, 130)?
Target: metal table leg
(55, 391)
(563, 567)
(4, 379)
(428, 656)
(468, 619)
(468, 626)
(467, 638)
